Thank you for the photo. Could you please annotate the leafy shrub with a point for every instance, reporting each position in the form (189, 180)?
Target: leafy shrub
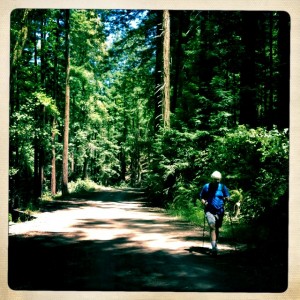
(174, 165)
(47, 196)
(254, 164)
(185, 204)
(82, 186)
(256, 161)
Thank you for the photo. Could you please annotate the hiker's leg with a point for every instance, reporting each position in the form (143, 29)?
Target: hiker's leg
(219, 221)
(213, 235)
(212, 227)
(217, 232)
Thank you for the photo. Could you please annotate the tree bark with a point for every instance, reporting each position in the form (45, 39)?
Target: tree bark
(13, 87)
(158, 72)
(21, 39)
(55, 96)
(166, 70)
(284, 70)
(38, 124)
(53, 161)
(65, 190)
(248, 101)
(269, 104)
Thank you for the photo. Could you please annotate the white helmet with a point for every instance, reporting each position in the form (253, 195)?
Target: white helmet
(216, 175)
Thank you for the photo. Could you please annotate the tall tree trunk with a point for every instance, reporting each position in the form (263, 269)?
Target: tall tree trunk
(42, 110)
(55, 96)
(53, 161)
(65, 190)
(21, 39)
(37, 141)
(166, 71)
(248, 101)
(13, 87)
(123, 141)
(85, 168)
(284, 70)
(269, 104)
(178, 60)
(158, 72)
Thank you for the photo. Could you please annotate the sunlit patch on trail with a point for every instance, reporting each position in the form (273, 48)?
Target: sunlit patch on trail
(110, 220)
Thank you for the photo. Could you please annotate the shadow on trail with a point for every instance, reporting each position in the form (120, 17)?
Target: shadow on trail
(202, 250)
(94, 256)
(55, 262)
(80, 200)
(51, 263)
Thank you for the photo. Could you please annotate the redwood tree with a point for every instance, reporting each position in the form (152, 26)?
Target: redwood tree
(67, 108)
(166, 70)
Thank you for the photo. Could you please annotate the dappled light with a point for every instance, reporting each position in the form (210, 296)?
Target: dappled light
(151, 102)
(113, 241)
(102, 220)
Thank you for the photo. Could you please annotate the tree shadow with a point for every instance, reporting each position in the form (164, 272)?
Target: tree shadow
(21, 216)
(116, 253)
(201, 250)
(54, 262)
(87, 199)
(69, 262)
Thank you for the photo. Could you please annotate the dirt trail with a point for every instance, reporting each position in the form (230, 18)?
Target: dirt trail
(112, 241)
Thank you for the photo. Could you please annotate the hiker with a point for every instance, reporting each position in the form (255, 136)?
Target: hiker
(212, 196)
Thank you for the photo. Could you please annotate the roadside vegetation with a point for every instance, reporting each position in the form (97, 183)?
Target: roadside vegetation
(156, 100)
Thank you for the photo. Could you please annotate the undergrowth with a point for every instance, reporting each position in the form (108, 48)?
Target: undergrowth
(35, 205)
(233, 230)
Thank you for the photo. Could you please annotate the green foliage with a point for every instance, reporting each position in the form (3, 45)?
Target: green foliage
(255, 160)
(115, 93)
(82, 186)
(46, 197)
(48, 102)
(32, 206)
(186, 205)
(176, 151)
(254, 164)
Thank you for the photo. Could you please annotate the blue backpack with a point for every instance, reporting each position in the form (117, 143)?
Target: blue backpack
(212, 193)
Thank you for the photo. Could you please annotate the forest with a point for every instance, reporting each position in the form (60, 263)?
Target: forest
(151, 99)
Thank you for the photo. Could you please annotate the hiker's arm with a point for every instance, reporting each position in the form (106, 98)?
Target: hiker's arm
(226, 194)
(202, 195)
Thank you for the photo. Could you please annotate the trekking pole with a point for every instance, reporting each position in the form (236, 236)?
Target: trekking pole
(203, 228)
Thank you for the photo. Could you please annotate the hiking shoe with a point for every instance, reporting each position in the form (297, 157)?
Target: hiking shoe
(214, 251)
